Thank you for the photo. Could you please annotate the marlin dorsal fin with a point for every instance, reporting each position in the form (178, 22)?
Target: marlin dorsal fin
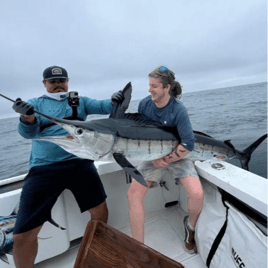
(120, 108)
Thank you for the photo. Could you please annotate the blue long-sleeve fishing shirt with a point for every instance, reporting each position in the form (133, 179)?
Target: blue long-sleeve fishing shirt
(44, 152)
(173, 114)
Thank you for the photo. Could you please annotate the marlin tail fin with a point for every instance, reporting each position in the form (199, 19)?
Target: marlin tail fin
(249, 150)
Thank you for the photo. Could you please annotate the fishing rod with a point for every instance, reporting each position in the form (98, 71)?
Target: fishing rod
(21, 100)
(6, 97)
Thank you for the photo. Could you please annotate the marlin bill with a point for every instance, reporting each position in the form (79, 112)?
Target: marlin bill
(125, 137)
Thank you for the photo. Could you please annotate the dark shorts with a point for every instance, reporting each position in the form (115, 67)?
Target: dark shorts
(44, 184)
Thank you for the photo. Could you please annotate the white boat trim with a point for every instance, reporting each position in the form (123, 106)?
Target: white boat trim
(12, 180)
(244, 185)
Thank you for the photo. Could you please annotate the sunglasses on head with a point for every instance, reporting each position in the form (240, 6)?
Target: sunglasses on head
(57, 80)
(166, 70)
(163, 69)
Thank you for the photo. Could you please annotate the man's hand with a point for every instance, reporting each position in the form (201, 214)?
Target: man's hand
(23, 108)
(160, 163)
(117, 96)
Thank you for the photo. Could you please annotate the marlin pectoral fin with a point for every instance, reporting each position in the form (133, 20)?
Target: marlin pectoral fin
(132, 171)
(4, 258)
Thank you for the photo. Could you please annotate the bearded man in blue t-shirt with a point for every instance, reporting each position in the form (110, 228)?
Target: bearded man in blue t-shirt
(52, 169)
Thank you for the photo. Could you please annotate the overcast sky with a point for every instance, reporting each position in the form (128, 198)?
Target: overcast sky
(104, 44)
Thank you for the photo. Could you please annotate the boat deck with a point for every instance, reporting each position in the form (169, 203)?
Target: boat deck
(163, 232)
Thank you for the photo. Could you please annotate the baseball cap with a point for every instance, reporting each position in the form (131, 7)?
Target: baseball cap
(54, 72)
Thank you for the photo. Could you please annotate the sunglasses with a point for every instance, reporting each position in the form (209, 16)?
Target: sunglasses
(59, 80)
(166, 70)
(163, 69)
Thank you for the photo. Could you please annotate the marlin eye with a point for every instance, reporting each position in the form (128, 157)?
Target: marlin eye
(79, 131)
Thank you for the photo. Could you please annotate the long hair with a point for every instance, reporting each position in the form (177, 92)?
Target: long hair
(166, 77)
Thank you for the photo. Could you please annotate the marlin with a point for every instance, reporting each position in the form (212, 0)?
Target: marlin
(125, 137)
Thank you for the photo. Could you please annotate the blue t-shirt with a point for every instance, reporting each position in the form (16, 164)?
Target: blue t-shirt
(173, 114)
(44, 152)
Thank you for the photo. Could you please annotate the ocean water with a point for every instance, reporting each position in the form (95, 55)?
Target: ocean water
(236, 113)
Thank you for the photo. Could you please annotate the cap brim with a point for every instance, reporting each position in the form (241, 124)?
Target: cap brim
(51, 78)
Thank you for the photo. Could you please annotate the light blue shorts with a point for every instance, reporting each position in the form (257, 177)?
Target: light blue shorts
(179, 169)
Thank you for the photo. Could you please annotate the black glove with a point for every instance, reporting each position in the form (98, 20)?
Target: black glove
(23, 107)
(117, 96)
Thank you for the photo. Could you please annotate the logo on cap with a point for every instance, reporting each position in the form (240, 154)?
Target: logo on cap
(56, 71)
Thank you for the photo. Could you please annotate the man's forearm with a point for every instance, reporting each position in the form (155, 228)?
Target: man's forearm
(28, 128)
(29, 119)
(179, 153)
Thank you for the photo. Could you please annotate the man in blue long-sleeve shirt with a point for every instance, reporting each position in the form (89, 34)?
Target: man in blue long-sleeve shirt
(163, 106)
(52, 169)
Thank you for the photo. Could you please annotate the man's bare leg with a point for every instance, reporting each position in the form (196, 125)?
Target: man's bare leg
(135, 195)
(100, 212)
(194, 190)
(25, 248)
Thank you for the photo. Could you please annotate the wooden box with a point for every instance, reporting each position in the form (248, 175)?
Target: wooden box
(105, 247)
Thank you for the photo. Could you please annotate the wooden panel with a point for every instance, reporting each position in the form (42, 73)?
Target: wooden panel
(105, 247)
